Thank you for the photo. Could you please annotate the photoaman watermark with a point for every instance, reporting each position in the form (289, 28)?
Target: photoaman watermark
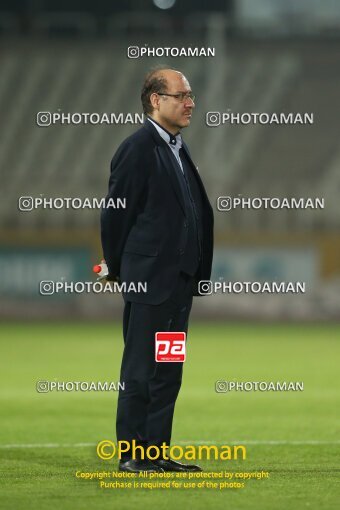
(107, 450)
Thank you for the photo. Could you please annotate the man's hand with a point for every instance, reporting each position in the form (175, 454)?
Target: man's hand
(109, 277)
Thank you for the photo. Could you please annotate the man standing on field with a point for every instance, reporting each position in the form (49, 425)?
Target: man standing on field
(163, 237)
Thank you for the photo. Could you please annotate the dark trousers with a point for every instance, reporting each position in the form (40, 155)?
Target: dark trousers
(146, 406)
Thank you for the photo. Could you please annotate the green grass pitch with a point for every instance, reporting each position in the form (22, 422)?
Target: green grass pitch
(292, 435)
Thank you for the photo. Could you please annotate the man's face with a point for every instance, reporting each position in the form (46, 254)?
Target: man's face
(172, 112)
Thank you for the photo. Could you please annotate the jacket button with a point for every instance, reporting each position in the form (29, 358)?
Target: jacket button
(185, 225)
(181, 251)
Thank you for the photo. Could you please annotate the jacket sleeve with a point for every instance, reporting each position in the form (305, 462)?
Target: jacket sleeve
(127, 181)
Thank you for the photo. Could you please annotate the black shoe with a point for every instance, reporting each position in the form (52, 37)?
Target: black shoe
(172, 465)
(136, 466)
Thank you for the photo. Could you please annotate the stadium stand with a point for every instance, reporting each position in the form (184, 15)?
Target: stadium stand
(249, 160)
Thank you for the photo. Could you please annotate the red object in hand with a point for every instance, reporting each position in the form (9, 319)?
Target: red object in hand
(101, 270)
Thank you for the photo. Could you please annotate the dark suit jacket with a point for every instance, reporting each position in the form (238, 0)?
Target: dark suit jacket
(144, 241)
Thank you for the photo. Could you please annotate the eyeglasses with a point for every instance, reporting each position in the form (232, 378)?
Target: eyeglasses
(181, 96)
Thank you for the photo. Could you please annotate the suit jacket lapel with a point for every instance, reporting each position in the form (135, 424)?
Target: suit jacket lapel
(169, 164)
(196, 173)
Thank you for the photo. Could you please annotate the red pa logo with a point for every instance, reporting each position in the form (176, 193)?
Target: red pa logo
(170, 346)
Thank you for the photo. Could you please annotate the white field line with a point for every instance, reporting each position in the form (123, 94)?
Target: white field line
(197, 443)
